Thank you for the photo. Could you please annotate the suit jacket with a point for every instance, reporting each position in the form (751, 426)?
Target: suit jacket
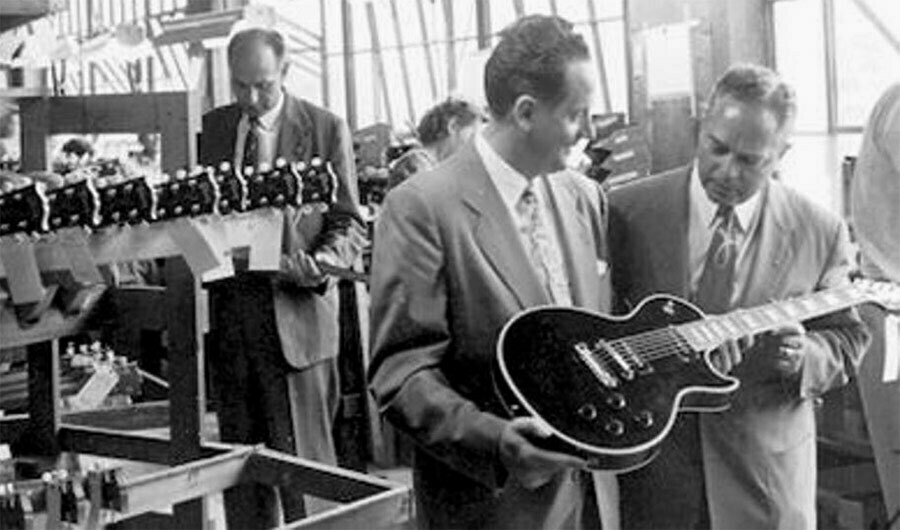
(758, 457)
(448, 272)
(307, 319)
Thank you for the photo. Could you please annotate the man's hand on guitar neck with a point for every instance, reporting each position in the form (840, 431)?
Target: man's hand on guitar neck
(783, 349)
(530, 465)
(728, 355)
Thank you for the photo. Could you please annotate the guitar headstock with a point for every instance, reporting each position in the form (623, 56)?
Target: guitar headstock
(129, 202)
(278, 186)
(77, 204)
(318, 180)
(194, 194)
(24, 210)
(882, 293)
(232, 189)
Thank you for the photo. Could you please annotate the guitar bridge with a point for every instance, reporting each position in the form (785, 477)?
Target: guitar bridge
(589, 358)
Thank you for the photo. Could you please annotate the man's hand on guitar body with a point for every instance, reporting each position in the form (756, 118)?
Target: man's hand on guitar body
(528, 464)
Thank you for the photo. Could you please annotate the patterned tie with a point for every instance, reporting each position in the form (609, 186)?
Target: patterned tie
(547, 263)
(251, 145)
(716, 286)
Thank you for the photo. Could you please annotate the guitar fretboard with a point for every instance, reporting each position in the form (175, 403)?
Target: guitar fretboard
(714, 330)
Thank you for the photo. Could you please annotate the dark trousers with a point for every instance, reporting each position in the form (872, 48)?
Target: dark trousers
(262, 399)
(669, 492)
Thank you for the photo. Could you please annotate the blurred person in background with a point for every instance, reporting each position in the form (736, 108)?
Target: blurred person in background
(443, 129)
(875, 203)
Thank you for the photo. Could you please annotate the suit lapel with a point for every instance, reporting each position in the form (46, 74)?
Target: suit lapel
(495, 233)
(294, 137)
(773, 249)
(575, 244)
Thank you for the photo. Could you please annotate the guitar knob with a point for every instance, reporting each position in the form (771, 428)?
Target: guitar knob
(588, 411)
(614, 427)
(644, 418)
(264, 201)
(195, 208)
(175, 187)
(178, 210)
(279, 199)
(616, 401)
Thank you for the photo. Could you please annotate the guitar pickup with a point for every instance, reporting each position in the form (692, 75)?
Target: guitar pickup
(627, 370)
(590, 359)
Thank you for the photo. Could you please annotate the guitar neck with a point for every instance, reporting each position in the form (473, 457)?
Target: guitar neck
(714, 330)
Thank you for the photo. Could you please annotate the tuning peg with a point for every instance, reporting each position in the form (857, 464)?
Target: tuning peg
(280, 162)
(180, 174)
(264, 167)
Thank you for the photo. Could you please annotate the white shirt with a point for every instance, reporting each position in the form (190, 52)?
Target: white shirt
(266, 133)
(702, 226)
(875, 191)
(511, 184)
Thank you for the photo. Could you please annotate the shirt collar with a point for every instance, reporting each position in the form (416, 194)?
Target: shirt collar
(744, 211)
(509, 182)
(269, 120)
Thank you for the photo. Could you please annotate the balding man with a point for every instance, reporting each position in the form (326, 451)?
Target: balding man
(274, 357)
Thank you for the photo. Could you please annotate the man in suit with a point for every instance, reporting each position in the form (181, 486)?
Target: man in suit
(726, 234)
(498, 227)
(274, 356)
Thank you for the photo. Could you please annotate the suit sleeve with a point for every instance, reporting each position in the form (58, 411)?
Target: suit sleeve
(839, 340)
(343, 233)
(411, 335)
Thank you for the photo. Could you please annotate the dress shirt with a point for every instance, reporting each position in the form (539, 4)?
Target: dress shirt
(876, 190)
(701, 226)
(511, 184)
(267, 134)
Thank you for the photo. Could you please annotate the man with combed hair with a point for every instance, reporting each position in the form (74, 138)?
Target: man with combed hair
(273, 356)
(498, 227)
(725, 234)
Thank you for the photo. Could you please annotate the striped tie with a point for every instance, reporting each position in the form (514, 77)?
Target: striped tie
(716, 287)
(547, 263)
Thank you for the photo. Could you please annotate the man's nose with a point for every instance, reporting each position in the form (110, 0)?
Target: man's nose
(253, 96)
(731, 169)
(585, 129)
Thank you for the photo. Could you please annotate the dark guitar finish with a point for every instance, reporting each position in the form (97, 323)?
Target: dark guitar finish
(192, 195)
(618, 418)
(77, 204)
(17, 210)
(129, 202)
(232, 189)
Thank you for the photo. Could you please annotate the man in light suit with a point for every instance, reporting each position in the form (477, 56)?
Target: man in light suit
(455, 259)
(274, 354)
(753, 466)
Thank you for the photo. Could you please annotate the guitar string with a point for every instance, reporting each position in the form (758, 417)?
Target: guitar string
(664, 342)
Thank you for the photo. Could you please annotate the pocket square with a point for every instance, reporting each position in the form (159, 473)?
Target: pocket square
(602, 267)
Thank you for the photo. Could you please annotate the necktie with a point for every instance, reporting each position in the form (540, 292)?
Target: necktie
(546, 262)
(251, 145)
(716, 286)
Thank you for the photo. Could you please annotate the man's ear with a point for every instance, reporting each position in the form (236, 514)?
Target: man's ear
(452, 126)
(523, 110)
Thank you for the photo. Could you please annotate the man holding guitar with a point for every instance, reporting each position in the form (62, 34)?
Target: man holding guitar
(275, 335)
(726, 234)
(498, 227)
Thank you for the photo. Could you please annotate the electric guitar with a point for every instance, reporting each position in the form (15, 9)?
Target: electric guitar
(610, 388)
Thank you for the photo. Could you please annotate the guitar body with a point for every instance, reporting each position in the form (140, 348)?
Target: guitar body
(613, 414)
